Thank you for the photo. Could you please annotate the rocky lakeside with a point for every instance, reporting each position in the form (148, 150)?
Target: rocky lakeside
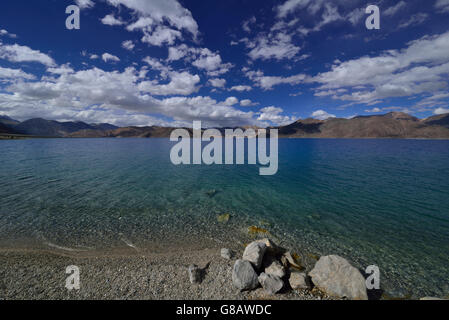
(263, 271)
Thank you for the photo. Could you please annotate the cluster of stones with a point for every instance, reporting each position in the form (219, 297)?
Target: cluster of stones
(267, 265)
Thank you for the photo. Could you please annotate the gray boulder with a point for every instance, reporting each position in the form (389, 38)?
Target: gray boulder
(243, 275)
(271, 284)
(299, 280)
(254, 253)
(194, 274)
(226, 254)
(337, 277)
(275, 268)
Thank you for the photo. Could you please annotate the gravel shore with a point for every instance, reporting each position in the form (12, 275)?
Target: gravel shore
(125, 274)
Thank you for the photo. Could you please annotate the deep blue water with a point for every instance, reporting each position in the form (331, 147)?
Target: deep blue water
(381, 202)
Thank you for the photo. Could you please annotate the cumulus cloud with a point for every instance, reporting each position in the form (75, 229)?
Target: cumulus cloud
(231, 101)
(322, 115)
(421, 67)
(248, 103)
(84, 3)
(201, 58)
(18, 53)
(70, 95)
(273, 115)
(109, 57)
(217, 82)
(6, 74)
(268, 82)
(278, 47)
(111, 20)
(128, 45)
(181, 83)
(241, 88)
(161, 10)
(439, 111)
(161, 35)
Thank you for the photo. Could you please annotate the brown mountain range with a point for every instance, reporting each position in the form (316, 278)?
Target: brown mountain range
(390, 125)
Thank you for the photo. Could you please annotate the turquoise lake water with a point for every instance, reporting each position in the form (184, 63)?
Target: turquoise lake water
(381, 202)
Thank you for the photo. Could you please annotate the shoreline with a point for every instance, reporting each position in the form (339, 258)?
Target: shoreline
(125, 274)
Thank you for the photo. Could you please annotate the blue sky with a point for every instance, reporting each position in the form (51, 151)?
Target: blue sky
(226, 63)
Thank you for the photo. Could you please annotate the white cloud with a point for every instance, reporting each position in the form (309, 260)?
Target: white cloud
(248, 103)
(84, 3)
(181, 83)
(141, 24)
(128, 45)
(4, 32)
(246, 24)
(211, 62)
(162, 10)
(329, 12)
(176, 53)
(156, 64)
(442, 5)
(414, 20)
(241, 88)
(439, 111)
(18, 53)
(161, 35)
(421, 67)
(64, 69)
(322, 115)
(391, 11)
(268, 82)
(94, 56)
(374, 110)
(109, 57)
(114, 96)
(356, 15)
(290, 6)
(273, 114)
(231, 101)
(217, 82)
(277, 47)
(7, 73)
(110, 20)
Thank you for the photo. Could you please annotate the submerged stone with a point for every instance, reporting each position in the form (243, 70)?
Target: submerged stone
(224, 217)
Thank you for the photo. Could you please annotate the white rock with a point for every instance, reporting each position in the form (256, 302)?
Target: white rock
(194, 273)
(275, 269)
(254, 253)
(226, 254)
(299, 280)
(337, 277)
(271, 284)
(243, 275)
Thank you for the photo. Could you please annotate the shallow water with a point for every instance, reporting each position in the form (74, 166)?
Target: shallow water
(381, 202)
